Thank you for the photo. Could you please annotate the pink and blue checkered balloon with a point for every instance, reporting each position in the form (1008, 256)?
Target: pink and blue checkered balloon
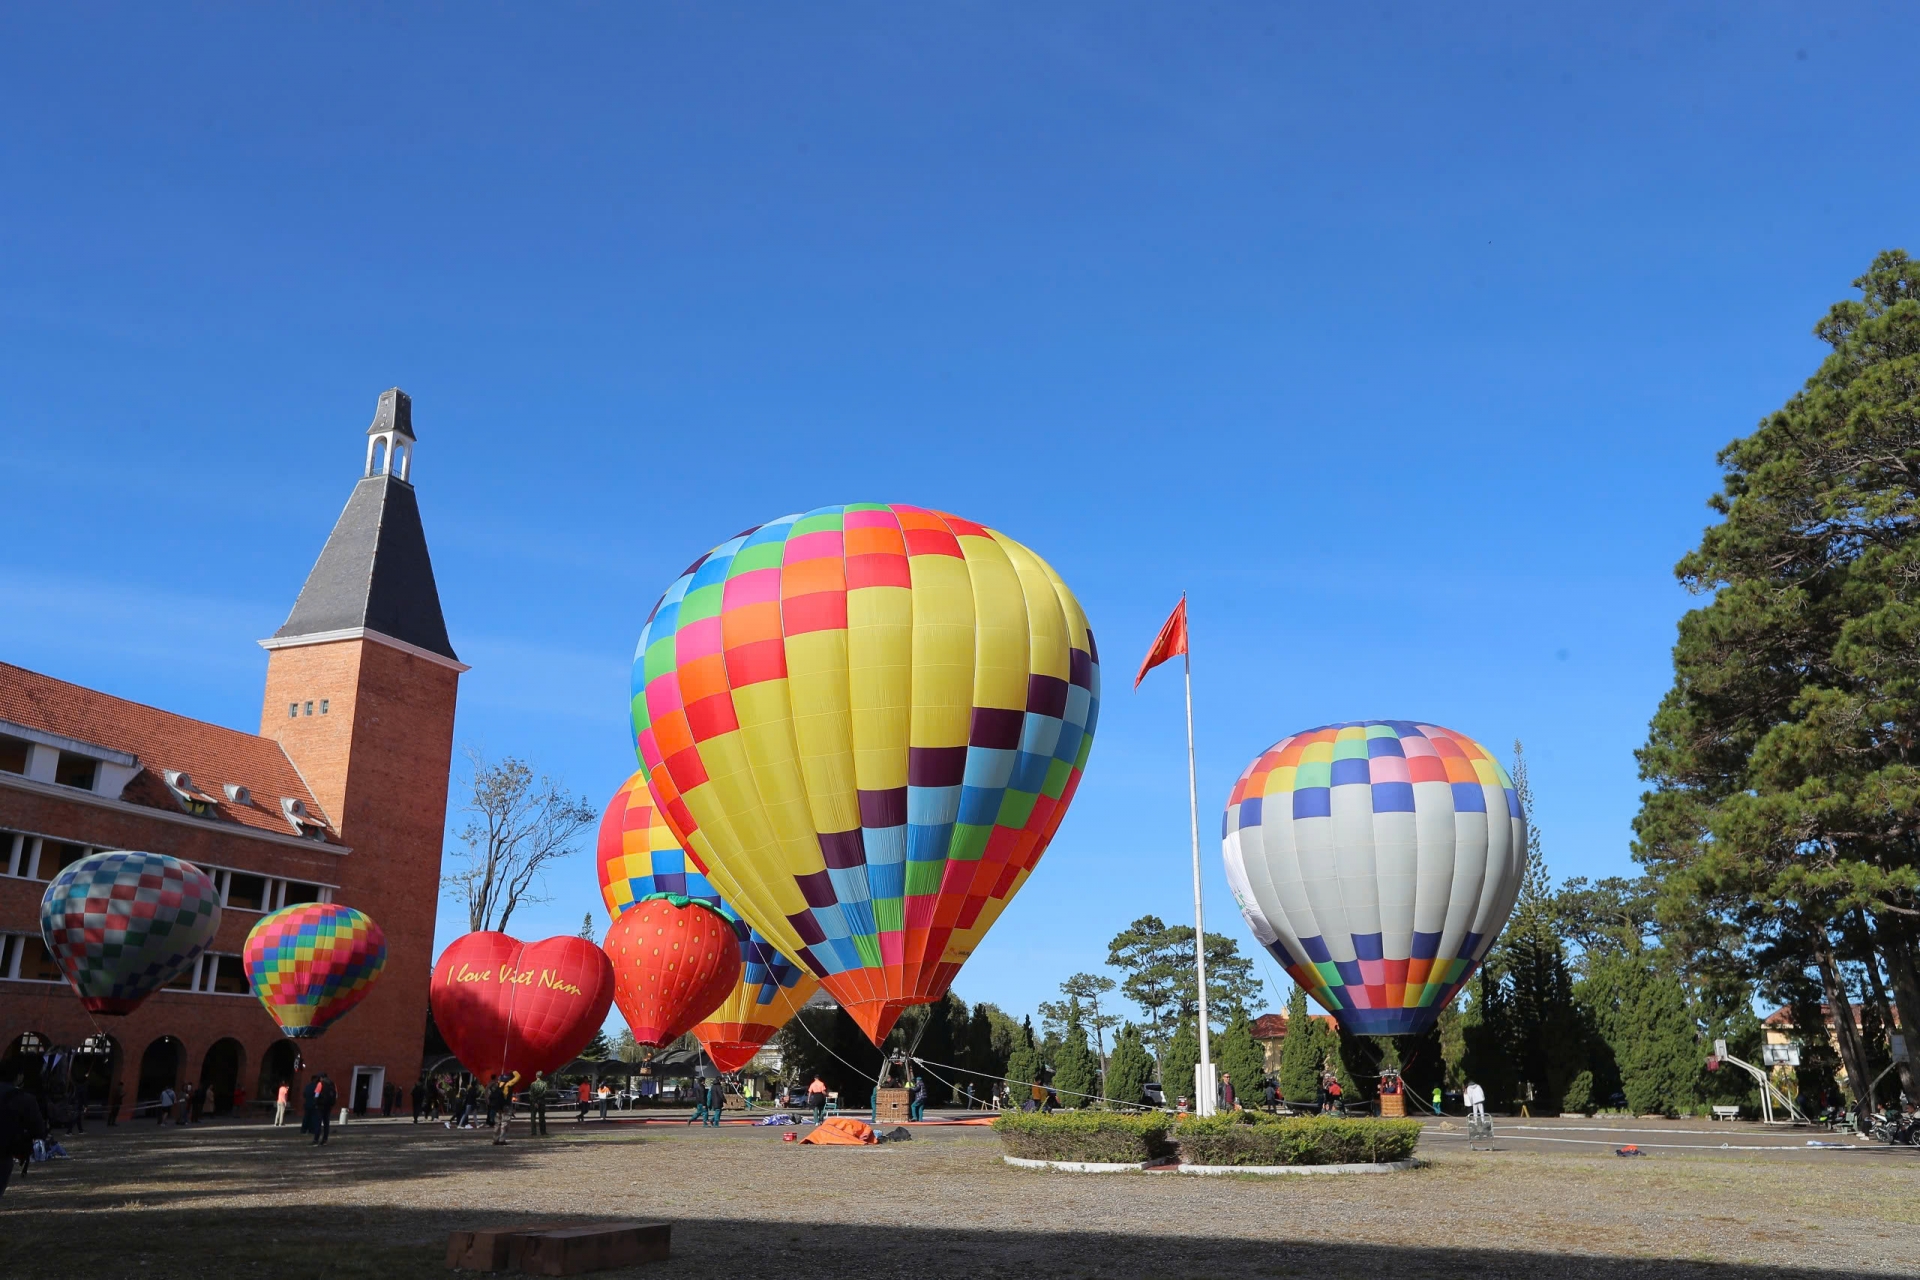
(1377, 860)
(121, 925)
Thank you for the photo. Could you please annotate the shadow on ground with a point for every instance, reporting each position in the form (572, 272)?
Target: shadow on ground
(44, 1243)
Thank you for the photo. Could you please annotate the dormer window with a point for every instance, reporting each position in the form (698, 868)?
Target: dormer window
(13, 755)
(76, 771)
(303, 823)
(191, 798)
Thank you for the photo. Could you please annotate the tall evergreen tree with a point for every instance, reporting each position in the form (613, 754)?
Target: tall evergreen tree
(1785, 783)
(1183, 1055)
(1077, 1073)
(1129, 1069)
(1640, 1008)
(1299, 1063)
(1241, 1057)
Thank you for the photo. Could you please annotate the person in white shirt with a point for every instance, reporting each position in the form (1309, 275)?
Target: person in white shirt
(165, 1109)
(1476, 1100)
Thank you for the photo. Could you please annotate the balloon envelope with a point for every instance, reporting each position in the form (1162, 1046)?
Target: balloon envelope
(121, 924)
(674, 961)
(311, 963)
(867, 723)
(1377, 860)
(639, 856)
(504, 1005)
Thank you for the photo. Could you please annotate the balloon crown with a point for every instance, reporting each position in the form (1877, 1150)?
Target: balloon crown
(682, 900)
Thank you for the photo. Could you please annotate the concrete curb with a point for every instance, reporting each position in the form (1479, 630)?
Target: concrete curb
(1281, 1170)
(1083, 1166)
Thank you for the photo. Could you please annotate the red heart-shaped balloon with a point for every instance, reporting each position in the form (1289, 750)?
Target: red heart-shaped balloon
(504, 1005)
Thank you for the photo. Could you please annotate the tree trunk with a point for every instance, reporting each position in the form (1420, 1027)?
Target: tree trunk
(1895, 939)
(1853, 1055)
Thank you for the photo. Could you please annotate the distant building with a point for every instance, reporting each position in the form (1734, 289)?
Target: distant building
(341, 797)
(1270, 1032)
(1779, 1029)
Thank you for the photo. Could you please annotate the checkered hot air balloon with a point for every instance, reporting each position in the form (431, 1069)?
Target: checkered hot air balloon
(867, 723)
(122, 924)
(638, 856)
(311, 963)
(1377, 860)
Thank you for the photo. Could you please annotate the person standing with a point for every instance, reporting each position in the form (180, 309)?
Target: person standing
(280, 1106)
(419, 1099)
(495, 1100)
(537, 1095)
(584, 1096)
(1436, 1099)
(1228, 1100)
(1476, 1100)
(817, 1099)
(163, 1110)
(917, 1108)
(324, 1096)
(196, 1102)
(505, 1085)
(21, 1125)
(606, 1098)
(716, 1100)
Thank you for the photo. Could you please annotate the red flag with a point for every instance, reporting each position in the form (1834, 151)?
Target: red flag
(1171, 642)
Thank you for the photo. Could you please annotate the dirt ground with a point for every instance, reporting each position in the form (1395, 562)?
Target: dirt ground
(379, 1200)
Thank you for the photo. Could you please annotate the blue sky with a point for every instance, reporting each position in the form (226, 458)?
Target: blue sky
(1402, 339)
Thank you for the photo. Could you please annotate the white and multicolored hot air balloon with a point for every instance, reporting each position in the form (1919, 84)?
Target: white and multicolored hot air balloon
(1377, 860)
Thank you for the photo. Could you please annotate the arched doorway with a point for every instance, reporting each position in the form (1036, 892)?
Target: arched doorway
(220, 1074)
(96, 1065)
(159, 1069)
(25, 1056)
(279, 1065)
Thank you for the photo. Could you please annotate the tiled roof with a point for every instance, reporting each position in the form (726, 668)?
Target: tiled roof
(208, 753)
(1273, 1026)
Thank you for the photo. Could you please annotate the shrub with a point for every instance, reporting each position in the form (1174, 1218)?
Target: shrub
(1104, 1137)
(1579, 1096)
(1253, 1138)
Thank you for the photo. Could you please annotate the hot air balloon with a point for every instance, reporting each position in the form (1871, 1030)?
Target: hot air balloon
(121, 925)
(638, 856)
(311, 963)
(1377, 860)
(867, 723)
(504, 1005)
(674, 960)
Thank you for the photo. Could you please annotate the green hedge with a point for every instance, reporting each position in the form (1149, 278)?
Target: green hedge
(1096, 1136)
(1252, 1137)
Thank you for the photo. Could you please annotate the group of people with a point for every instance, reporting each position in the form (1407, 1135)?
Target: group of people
(187, 1106)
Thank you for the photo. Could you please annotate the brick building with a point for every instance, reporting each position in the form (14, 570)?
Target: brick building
(340, 797)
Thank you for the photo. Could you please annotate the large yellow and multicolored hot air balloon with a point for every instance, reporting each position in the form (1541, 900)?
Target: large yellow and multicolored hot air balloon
(1378, 861)
(638, 856)
(867, 722)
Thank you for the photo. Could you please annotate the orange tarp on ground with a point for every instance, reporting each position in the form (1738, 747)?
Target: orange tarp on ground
(840, 1131)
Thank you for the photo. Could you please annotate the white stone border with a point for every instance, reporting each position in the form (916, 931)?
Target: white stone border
(1278, 1170)
(1084, 1166)
(1260, 1170)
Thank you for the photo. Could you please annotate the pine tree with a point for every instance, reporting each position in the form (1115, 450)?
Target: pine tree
(1077, 1071)
(599, 1049)
(586, 928)
(1129, 1068)
(1242, 1060)
(1299, 1063)
(1640, 1010)
(1183, 1055)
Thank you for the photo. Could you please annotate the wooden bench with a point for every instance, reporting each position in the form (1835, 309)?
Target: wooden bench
(1726, 1113)
(555, 1250)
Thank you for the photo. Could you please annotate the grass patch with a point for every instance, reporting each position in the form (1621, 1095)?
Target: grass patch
(1098, 1137)
(1254, 1138)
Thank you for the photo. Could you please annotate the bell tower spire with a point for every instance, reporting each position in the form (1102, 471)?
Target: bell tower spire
(390, 438)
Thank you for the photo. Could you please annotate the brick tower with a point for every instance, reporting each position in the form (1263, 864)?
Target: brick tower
(361, 684)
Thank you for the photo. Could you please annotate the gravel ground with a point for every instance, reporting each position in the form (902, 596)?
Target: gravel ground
(381, 1198)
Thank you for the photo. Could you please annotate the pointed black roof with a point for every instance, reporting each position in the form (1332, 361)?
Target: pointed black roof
(374, 573)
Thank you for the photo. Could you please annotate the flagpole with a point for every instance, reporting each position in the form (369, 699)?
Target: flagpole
(1203, 1087)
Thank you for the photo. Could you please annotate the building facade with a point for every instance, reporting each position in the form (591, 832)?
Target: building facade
(340, 797)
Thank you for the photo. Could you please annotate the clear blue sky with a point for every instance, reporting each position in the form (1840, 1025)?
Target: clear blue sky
(1402, 339)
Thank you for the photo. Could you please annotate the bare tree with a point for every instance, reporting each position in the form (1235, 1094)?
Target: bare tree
(516, 826)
